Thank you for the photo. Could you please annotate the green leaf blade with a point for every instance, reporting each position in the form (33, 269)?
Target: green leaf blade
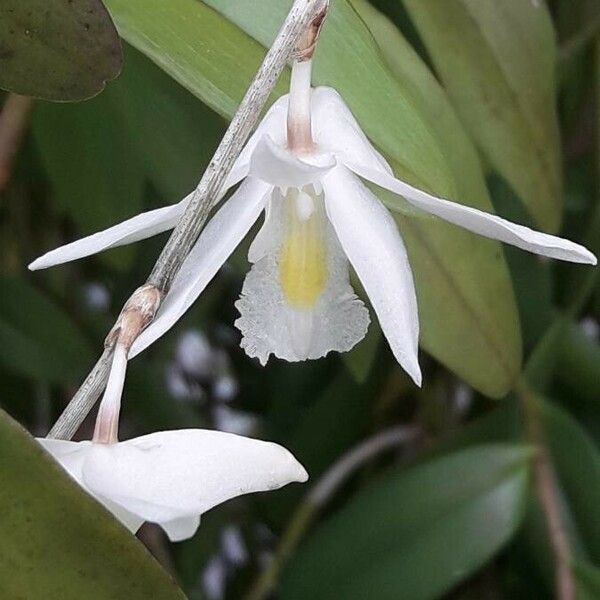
(57, 542)
(416, 534)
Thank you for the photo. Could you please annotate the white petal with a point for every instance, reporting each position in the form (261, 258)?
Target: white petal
(336, 320)
(218, 240)
(137, 228)
(278, 166)
(170, 477)
(480, 222)
(335, 130)
(370, 239)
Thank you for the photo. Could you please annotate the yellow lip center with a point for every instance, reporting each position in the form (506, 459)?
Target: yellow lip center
(302, 258)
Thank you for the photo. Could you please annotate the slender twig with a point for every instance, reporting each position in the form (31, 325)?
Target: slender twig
(13, 123)
(288, 41)
(544, 481)
(321, 493)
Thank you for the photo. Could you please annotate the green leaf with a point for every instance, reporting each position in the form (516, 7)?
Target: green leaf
(497, 61)
(415, 534)
(92, 165)
(576, 465)
(577, 462)
(57, 542)
(202, 51)
(37, 338)
(61, 50)
(214, 60)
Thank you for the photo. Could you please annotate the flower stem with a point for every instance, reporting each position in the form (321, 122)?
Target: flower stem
(320, 494)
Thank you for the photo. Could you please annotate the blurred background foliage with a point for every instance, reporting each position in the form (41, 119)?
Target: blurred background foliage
(483, 484)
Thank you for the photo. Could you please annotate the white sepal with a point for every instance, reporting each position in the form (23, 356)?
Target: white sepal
(137, 228)
(370, 239)
(477, 221)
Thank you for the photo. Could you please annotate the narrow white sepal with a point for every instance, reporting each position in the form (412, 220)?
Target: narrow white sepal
(137, 228)
(140, 227)
(172, 477)
(370, 239)
(219, 239)
(477, 221)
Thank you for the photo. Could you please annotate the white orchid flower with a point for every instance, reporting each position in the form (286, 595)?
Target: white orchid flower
(168, 477)
(303, 168)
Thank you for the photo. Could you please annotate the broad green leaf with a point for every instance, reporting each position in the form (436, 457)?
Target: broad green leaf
(202, 51)
(92, 166)
(61, 50)
(497, 62)
(466, 301)
(576, 465)
(56, 542)
(415, 534)
(37, 338)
